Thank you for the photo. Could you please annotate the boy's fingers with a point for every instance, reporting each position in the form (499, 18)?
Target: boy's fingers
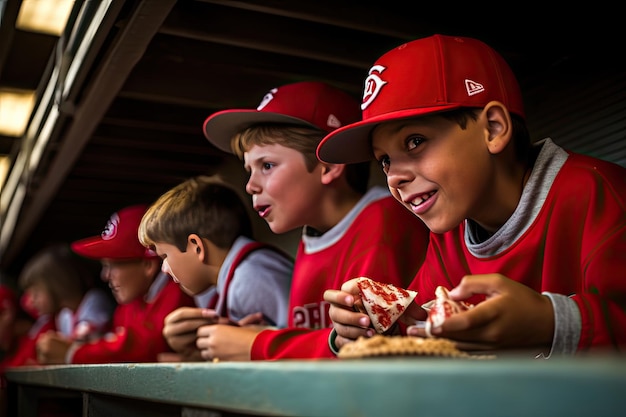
(339, 298)
(191, 314)
(209, 313)
(183, 313)
(185, 326)
(487, 284)
(254, 318)
(351, 333)
(349, 318)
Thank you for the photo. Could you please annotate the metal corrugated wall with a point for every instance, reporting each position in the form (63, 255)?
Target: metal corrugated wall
(584, 114)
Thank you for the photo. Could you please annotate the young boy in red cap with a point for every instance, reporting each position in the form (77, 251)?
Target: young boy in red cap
(202, 230)
(347, 230)
(144, 294)
(530, 233)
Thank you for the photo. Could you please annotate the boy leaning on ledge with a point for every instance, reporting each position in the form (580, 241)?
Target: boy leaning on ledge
(144, 294)
(202, 230)
(348, 230)
(531, 233)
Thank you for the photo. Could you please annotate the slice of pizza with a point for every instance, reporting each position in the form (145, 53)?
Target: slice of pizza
(441, 308)
(382, 302)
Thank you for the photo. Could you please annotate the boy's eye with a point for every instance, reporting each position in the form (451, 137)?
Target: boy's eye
(413, 142)
(267, 165)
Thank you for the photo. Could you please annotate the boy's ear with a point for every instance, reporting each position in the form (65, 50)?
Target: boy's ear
(331, 172)
(152, 266)
(499, 125)
(196, 245)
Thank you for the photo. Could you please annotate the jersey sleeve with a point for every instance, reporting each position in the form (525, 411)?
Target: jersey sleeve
(137, 334)
(292, 343)
(585, 260)
(601, 300)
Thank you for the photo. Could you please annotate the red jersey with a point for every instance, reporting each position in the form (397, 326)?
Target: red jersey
(138, 326)
(91, 319)
(379, 239)
(25, 352)
(572, 243)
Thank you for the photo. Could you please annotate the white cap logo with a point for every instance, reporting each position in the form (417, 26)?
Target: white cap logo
(267, 98)
(472, 87)
(110, 230)
(373, 84)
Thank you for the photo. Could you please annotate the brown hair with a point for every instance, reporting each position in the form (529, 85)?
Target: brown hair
(60, 271)
(301, 139)
(521, 136)
(202, 205)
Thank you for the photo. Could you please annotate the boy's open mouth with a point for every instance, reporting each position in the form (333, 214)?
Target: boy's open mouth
(421, 198)
(262, 210)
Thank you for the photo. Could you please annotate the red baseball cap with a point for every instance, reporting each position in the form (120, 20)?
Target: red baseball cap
(119, 239)
(421, 77)
(308, 103)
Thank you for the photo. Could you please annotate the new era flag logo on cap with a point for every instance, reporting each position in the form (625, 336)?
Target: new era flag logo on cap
(473, 87)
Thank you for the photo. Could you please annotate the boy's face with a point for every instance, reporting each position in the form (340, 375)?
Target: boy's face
(40, 298)
(440, 172)
(283, 192)
(128, 279)
(184, 267)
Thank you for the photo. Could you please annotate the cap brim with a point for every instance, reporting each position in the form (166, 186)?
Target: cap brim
(97, 248)
(92, 247)
(220, 127)
(352, 143)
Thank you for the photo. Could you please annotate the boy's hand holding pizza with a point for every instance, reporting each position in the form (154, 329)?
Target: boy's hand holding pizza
(512, 315)
(490, 321)
(348, 309)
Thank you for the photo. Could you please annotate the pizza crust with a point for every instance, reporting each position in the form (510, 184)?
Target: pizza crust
(380, 346)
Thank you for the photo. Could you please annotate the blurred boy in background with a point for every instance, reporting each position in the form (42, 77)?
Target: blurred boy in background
(64, 300)
(144, 294)
(59, 299)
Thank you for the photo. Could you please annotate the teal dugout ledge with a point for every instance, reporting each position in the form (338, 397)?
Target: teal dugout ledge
(415, 386)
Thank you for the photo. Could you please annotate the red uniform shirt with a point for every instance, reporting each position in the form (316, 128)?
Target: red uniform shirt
(138, 326)
(384, 241)
(574, 245)
(25, 352)
(91, 318)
